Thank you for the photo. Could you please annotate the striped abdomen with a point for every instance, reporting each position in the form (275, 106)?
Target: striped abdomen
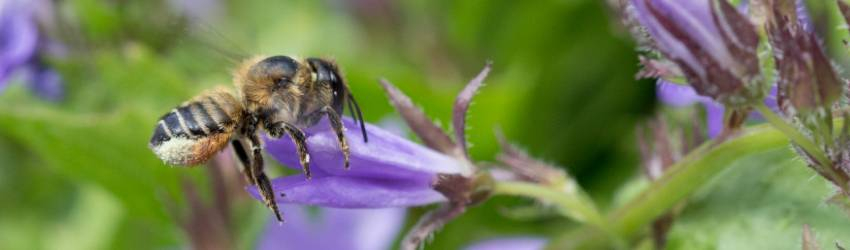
(193, 132)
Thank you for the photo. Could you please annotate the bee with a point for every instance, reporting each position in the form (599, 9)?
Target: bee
(279, 95)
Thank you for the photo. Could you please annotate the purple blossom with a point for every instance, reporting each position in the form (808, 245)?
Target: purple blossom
(711, 42)
(512, 243)
(45, 82)
(18, 38)
(678, 95)
(388, 171)
(333, 228)
(20, 49)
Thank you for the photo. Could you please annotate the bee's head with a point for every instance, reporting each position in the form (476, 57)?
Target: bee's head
(327, 74)
(278, 72)
(326, 71)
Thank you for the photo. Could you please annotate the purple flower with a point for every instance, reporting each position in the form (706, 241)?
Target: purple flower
(333, 228)
(18, 38)
(678, 95)
(45, 82)
(711, 42)
(388, 171)
(512, 243)
(19, 50)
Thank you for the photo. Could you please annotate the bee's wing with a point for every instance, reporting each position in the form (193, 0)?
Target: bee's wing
(195, 131)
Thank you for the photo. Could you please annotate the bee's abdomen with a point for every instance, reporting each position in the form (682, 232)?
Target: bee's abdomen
(192, 132)
(192, 120)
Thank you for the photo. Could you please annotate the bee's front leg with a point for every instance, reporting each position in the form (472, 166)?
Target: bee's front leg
(278, 129)
(336, 124)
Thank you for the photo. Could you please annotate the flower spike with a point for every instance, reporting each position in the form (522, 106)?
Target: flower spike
(464, 98)
(430, 134)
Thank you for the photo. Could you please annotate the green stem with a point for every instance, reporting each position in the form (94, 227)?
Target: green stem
(792, 133)
(573, 206)
(825, 167)
(682, 179)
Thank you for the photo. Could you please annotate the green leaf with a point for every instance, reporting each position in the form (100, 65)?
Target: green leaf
(91, 223)
(109, 151)
(761, 202)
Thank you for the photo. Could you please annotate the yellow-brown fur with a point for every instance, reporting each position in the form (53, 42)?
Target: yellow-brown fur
(207, 147)
(225, 99)
(256, 90)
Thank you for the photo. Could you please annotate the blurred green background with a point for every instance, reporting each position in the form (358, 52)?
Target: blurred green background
(77, 174)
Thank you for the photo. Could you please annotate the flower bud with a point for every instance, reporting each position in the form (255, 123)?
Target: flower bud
(714, 45)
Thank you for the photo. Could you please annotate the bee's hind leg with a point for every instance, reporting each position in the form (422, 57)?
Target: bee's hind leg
(259, 176)
(336, 124)
(239, 146)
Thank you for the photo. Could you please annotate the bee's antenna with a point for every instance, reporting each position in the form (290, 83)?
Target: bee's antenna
(351, 111)
(359, 115)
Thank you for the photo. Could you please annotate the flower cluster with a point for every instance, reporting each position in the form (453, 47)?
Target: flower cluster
(714, 47)
(21, 45)
(711, 42)
(809, 93)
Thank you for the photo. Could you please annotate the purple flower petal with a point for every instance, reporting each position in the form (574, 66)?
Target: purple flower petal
(385, 156)
(514, 243)
(713, 118)
(713, 44)
(20, 34)
(694, 16)
(770, 101)
(45, 82)
(333, 228)
(18, 37)
(677, 95)
(462, 106)
(350, 192)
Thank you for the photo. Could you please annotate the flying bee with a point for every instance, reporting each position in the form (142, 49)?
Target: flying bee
(277, 94)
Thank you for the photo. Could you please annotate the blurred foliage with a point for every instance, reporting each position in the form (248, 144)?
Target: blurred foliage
(767, 196)
(83, 163)
(78, 174)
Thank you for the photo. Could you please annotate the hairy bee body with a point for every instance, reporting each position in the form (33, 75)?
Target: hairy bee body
(196, 130)
(279, 95)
